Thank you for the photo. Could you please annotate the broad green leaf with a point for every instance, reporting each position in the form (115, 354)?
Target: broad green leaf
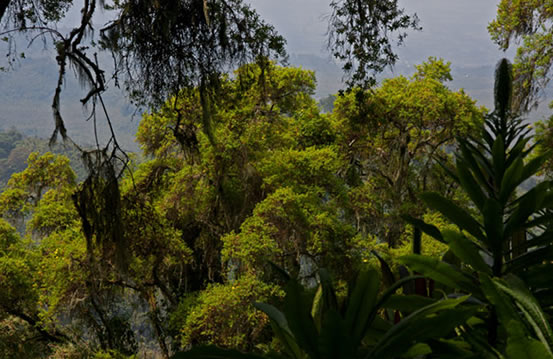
(480, 346)
(454, 213)
(528, 259)
(530, 307)
(429, 229)
(317, 308)
(518, 150)
(392, 289)
(377, 330)
(439, 271)
(470, 185)
(525, 207)
(432, 321)
(387, 275)
(328, 292)
(498, 154)
(538, 276)
(533, 166)
(466, 250)
(334, 341)
(487, 137)
(297, 309)
(407, 303)
(274, 314)
(418, 350)
(520, 346)
(361, 304)
(503, 306)
(281, 329)
(511, 180)
(451, 173)
(279, 271)
(493, 222)
(325, 298)
(482, 174)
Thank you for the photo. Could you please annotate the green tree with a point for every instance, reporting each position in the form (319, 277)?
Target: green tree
(53, 289)
(392, 138)
(525, 22)
(160, 48)
(277, 184)
(509, 237)
(361, 36)
(322, 325)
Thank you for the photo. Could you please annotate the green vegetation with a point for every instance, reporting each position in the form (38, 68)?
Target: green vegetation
(279, 182)
(389, 221)
(16, 148)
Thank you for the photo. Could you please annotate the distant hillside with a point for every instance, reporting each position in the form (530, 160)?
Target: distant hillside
(476, 80)
(15, 148)
(26, 94)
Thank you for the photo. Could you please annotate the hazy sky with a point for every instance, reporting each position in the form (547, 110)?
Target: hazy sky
(452, 29)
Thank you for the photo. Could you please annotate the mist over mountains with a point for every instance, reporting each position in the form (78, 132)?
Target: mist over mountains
(453, 30)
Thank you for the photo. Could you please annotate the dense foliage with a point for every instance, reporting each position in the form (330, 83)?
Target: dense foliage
(392, 225)
(279, 181)
(526, 24)
(15, 148)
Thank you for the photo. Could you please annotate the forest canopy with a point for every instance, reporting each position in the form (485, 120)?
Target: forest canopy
(403, 221)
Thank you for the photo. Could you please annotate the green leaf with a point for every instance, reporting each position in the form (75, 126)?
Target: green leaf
(466, 250)
(281, 329)
(530, 307)
(538, 276)
(325, 298)
(518, 150)
(393, 288)
(432, 321)
(407, 303)
(279, 271)
(387, 274)
(334, 341)
(297, 309)
(439, 271)
(487, 137)
(534, 165)
(503, 306)
(328, 292)
(418, 350)
(360, 308)
(493, 222)
(528, 259)
(454, 213)
(498, 154)
(470, 185)
(511, 180)
(520, 346)
(529, 205)
(429, 229)
(482, 173)
(480, 345)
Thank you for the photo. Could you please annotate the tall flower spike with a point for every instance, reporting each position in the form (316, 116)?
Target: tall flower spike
(503, 91)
